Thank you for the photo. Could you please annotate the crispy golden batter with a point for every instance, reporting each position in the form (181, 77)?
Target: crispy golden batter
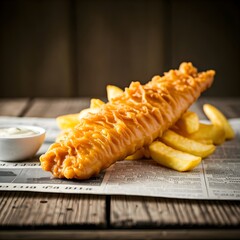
(125, 124)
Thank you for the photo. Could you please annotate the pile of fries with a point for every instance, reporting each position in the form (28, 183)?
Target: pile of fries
(180, 148)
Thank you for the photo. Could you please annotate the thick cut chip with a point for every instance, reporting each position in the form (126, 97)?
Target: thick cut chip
(86, 111)
(113, 91)
(205, 141)
(71, 120)
(96, 103)
(172, 158)
(67, 121)
(181, 143)
(188, 123)
(139, 154)
(208, 132)
(217, 118)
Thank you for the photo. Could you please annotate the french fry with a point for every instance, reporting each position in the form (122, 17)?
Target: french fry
(186, 145)
(113, 91)
(205, 141)
(67, 121)
(172, 158)
(71, 120)
(86, 111)
(188, 123)
(139, 154)
(208, 132)
(217, 118)
(96, 103)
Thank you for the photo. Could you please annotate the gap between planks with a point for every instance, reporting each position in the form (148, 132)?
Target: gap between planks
(13, 107)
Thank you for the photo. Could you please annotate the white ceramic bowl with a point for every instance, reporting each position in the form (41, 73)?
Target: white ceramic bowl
(18, 148)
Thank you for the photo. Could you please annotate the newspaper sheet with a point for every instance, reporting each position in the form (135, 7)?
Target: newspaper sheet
(217, 177)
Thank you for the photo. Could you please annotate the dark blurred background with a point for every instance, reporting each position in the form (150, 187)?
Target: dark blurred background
(70, 48)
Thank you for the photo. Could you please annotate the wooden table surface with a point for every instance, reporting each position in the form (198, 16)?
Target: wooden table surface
(30, 215)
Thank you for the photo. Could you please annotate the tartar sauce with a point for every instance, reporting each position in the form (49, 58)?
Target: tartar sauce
(16, 132)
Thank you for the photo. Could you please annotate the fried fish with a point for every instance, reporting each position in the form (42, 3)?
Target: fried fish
(126, 123)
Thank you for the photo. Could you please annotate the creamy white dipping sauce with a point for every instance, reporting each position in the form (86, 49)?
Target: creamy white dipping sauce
(16, 132)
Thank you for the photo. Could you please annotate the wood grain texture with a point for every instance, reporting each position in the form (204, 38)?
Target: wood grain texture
(139, 212)
(119, 42)
(151, 234)
(43, 107)
(118, 214)
(200, 37)
(35, 46)
(13, 107)
(63, 48)
(28, 209)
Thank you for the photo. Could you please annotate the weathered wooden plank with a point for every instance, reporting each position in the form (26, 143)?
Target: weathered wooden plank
(13, 107)
(30, 64)
(117, 50)
(29, 209)
(163, 234)
(215, 24)
(154, 212)
(42, 107)
(51, 210)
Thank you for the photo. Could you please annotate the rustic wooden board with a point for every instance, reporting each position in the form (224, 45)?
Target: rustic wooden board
(36, 61)
(29, 209)
(123, 234)
(44, 210)
(138, 212)
(13, 107)
(115, 49)
(55, 107)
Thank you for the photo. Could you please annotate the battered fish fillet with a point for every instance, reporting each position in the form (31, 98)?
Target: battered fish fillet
(126, 123)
